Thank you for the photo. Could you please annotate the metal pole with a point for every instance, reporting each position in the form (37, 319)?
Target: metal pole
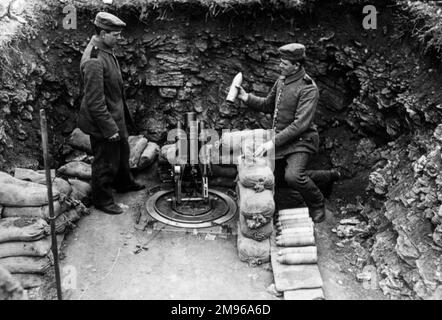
(44, 142)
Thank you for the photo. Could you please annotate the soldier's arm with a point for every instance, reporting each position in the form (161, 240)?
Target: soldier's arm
(305, 113)
(264, 104)
(94, 95)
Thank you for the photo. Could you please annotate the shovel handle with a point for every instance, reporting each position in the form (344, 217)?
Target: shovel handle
(44, 142)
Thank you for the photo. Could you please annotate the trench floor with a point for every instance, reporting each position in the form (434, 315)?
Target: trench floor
(109, 257)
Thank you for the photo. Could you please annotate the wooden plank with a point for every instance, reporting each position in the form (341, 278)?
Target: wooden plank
(304, 294)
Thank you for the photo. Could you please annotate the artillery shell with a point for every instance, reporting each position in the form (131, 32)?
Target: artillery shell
(298, 258)
(299, 240)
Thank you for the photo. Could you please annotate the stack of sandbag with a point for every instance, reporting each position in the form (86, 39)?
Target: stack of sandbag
(256, 209)
(24, 216)
(24, 198)
(142, 154)
(73, 189)
(295, 257)
(25, 245)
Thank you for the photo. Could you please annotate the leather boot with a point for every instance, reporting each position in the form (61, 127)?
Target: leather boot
(110, 209)
(317, 214)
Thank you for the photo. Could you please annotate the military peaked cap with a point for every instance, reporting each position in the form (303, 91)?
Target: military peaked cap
(109, 22)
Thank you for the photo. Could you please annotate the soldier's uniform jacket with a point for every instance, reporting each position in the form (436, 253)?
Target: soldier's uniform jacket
(103, 109)
(293, 100)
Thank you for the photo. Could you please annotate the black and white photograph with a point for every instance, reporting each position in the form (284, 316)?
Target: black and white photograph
(223, 158)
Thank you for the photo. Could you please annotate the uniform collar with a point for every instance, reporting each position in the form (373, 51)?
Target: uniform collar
(96, 42)
(294, 76)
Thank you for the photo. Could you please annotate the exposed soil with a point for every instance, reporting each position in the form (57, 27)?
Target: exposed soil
(183, 264)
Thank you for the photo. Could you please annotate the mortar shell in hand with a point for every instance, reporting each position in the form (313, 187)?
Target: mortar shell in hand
(233, 92)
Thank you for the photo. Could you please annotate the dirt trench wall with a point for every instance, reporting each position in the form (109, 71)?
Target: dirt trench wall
(178, 61)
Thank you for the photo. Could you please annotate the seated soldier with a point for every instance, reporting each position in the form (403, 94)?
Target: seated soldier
(293, 100)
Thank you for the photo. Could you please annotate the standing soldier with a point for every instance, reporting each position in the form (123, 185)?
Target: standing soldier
(104, 113)
(293, 99)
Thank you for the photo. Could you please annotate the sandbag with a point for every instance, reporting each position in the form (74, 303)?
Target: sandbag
(80, 141)
(149, 155)
(252, 203)
(36, 212)
(77, 169)
(26, 264)
(167, 151)
(18, 193)
(72, 215)
(30, 175)
(258, 234)
(81, 190)
(257, 177)
(39, 248)
(23, 229)
(257, 221)
(29, 280)
(10, 287)
(66, 220)
(234, 140)
(137, 145)
(252, 251)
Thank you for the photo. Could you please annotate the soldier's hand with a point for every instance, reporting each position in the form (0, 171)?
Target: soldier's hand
(242, 94)
(264, 148)
(115, 137)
